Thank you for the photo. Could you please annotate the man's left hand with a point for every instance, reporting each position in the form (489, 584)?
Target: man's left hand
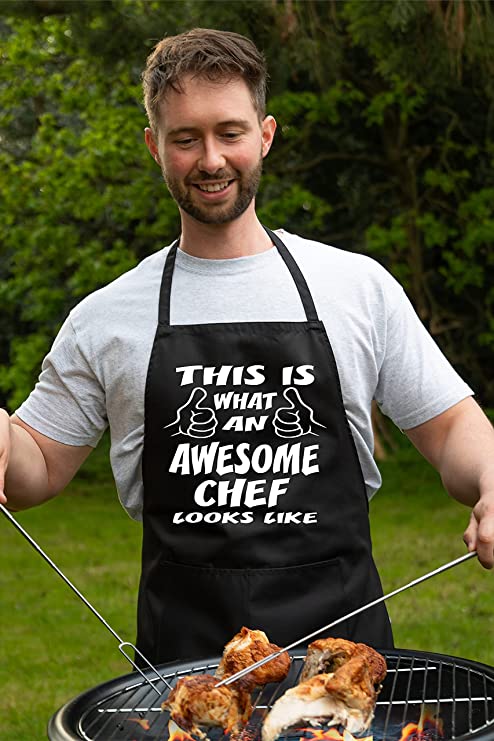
(479, 535)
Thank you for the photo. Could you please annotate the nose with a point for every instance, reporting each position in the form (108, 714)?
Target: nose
(212, 158)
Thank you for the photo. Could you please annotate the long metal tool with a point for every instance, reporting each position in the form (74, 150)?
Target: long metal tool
(121, 644)
(413, 583)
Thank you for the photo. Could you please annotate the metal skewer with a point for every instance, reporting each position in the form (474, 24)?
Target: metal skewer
(121, 644)
(413, 583)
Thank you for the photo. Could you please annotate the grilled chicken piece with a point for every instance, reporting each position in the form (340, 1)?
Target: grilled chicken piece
(327, 655)
(195, 701)
(346, 695)
(247, 647)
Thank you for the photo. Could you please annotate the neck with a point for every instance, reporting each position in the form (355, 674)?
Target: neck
(239, 238)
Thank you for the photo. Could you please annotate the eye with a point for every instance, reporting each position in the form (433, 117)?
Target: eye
(231, 135)
(186, 142)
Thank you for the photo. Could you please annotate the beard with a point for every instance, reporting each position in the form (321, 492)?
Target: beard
(247, 187)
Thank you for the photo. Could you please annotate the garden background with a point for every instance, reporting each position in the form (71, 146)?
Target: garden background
(385, 146)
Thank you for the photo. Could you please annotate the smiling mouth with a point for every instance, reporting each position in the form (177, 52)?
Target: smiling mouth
(213, 187)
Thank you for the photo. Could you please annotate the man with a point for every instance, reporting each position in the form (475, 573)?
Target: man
(236, 370)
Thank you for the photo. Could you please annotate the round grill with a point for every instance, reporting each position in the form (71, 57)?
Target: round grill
(458, 691)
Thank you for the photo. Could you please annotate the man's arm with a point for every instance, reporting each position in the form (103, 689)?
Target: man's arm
(460, 445)
(33, 468)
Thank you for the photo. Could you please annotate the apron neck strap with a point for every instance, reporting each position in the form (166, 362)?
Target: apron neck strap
(298, 278)
(295, 272)
(166, 285)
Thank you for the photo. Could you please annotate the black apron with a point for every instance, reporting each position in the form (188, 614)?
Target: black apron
(255, 511)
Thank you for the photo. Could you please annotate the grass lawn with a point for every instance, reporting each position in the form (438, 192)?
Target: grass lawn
(54, 648)
(416, 527)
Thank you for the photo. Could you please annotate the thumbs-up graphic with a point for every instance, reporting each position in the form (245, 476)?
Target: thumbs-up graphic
(193, 419)
(296, 419)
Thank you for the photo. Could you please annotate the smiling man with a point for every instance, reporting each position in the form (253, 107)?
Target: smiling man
(209, 134)
(210, 143)
(236, 369)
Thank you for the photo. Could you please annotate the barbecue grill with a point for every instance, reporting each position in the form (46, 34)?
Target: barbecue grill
(458, 691)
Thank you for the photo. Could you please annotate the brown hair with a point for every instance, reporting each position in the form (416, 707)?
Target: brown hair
(202, 52)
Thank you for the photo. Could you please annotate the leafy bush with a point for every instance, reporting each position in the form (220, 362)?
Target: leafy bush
(385, 146)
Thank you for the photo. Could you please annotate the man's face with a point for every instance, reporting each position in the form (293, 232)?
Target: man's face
(210, 148)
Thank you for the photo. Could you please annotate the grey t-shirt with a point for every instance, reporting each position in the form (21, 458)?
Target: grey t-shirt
(95, 373)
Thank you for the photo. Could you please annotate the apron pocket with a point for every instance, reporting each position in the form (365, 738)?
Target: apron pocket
(198, 609)
(201, 608)
(293, 601)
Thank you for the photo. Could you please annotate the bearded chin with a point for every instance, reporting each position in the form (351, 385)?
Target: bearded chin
(248, 186)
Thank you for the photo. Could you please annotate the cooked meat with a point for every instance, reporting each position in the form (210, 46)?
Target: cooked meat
(339, 686)
(246, 648)
(195, 701)
(327, 655)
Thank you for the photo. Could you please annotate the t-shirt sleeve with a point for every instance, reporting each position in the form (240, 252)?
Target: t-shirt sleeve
(68, 402)
(416, 381)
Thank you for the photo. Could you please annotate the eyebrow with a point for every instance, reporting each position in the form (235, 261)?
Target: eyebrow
(241, 123)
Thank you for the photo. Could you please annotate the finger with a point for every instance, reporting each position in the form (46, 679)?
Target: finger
(485, 554)
(288, 430)
(293, 397)
(4, 450)
(3, 498)
(470, 534)
(204, 425)
(287, 416)
(203, 417)
(197, 397)
(485, 542)
(285, 425)
(202, 429)
(479, 535)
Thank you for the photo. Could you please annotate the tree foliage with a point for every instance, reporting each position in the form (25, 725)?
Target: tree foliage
(385, 145)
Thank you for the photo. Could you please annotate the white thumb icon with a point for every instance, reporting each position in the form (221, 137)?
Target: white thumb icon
(194, 419)
(296, 419)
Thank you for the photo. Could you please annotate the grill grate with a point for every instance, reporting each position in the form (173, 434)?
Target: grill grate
(458, 691)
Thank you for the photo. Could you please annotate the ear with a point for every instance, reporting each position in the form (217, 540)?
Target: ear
(268, 127)
(151, 144)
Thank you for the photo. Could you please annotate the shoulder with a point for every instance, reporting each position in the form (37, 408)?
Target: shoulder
(124, 296)
(332, 268)
(310, 252)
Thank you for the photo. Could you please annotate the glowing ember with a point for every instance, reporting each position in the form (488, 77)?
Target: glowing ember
(330, 734)
(143, 723)
(428, 727)
(175, 733)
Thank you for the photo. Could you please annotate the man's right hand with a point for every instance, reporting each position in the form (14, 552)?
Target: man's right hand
(4, 451)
